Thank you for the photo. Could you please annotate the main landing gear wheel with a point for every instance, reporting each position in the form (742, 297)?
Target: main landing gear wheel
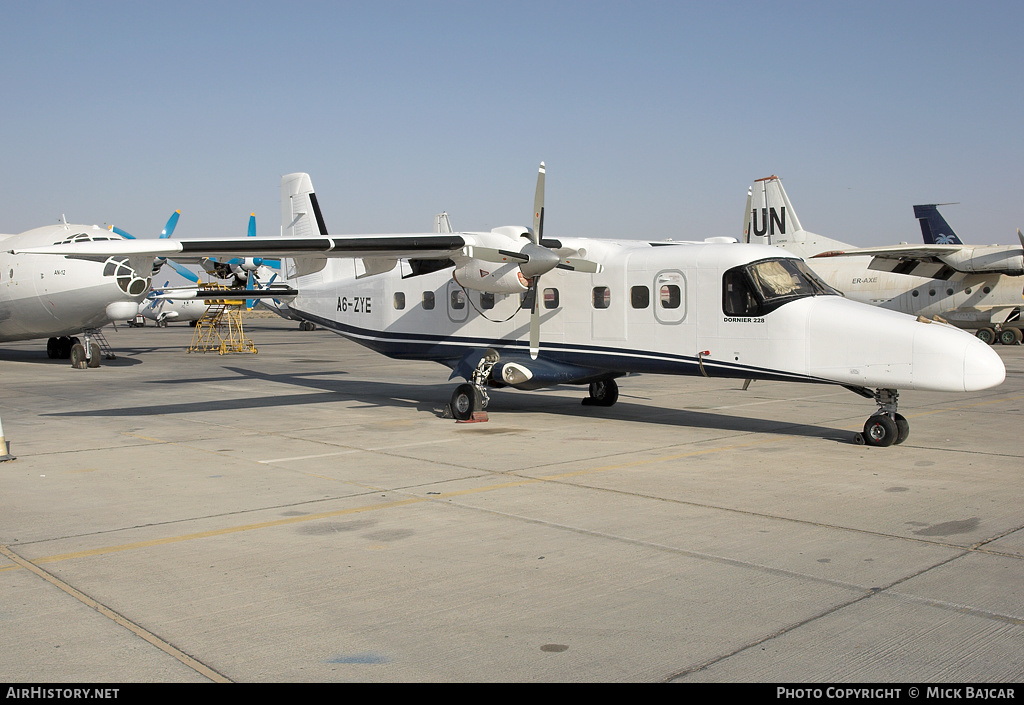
(60, 348)
(986, 335)
(1010, 336)
(602, 393)
(465, 400)
(307, 325)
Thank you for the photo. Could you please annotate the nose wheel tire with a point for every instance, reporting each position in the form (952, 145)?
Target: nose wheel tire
(94, 354)
(78, 359)
(882, 430)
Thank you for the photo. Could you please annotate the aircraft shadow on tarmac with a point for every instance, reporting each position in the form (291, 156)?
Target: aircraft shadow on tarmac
(39, 357)
(433, 398)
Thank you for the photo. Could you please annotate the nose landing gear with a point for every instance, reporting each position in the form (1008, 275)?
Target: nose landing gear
(886, 427)
(472, 397)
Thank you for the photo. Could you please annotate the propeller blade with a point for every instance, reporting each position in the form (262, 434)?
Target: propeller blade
(250, 303)
(252, 226)
(166, 232)
(535, 321)
(172, 222)
(581, 265)
(489, 254)
(540, 263)
(184, 271)
(538, 207)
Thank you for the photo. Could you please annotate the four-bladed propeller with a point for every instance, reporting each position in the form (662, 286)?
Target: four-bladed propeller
(535, 260)
(159, 262)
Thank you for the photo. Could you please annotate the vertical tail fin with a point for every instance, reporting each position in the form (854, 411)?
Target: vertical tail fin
(441, 223)
(770, 218)
(301, 217)
(300, 212)
(934, 228)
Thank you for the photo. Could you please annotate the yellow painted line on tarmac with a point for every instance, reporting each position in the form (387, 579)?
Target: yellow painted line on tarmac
(379, 506)
(441, 496)
(228, 530)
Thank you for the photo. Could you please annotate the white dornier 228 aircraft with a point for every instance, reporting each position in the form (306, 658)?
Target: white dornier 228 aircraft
(510, 307)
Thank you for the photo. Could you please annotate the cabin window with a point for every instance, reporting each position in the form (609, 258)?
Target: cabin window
(428, 301)
(551, 298)
(458, 299)
(670, 296)
(640, 297)
(399, 300)
(486, 300)
(602, 297)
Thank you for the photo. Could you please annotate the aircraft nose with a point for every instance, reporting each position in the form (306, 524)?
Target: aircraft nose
(949, 358)
(983, 368)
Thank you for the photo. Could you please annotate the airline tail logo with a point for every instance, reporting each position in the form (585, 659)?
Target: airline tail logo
(770, 220)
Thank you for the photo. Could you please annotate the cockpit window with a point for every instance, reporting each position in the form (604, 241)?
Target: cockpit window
(758, 288)
(84, 237)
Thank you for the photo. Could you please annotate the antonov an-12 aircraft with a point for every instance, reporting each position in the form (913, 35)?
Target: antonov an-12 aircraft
(971, 286)
(44, 297)
(511, 307)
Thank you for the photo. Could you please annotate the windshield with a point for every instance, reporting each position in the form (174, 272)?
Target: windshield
(760, 287)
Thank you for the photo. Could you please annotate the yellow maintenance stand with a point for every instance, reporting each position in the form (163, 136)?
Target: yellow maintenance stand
(220, 328)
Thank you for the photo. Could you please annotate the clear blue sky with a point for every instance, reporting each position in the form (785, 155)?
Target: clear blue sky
(653, 117)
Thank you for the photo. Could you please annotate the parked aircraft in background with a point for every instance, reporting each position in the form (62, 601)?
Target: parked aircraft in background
(163, 310)
(976, 287)
(60, 300)
(514, 308)
(935, 230)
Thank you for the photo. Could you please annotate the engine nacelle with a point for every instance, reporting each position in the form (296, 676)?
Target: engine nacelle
(490, 277)
(527, 374)
(983, 259)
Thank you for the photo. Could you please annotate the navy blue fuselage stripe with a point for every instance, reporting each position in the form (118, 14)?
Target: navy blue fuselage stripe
(448, 350)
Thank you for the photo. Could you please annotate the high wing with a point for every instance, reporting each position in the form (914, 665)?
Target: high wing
(506, 246)
(417, 245)
(939, 261)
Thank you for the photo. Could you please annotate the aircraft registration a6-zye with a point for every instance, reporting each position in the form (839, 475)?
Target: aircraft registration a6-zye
(512, 308)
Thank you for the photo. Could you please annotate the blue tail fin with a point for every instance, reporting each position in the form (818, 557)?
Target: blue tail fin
(934, 228)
